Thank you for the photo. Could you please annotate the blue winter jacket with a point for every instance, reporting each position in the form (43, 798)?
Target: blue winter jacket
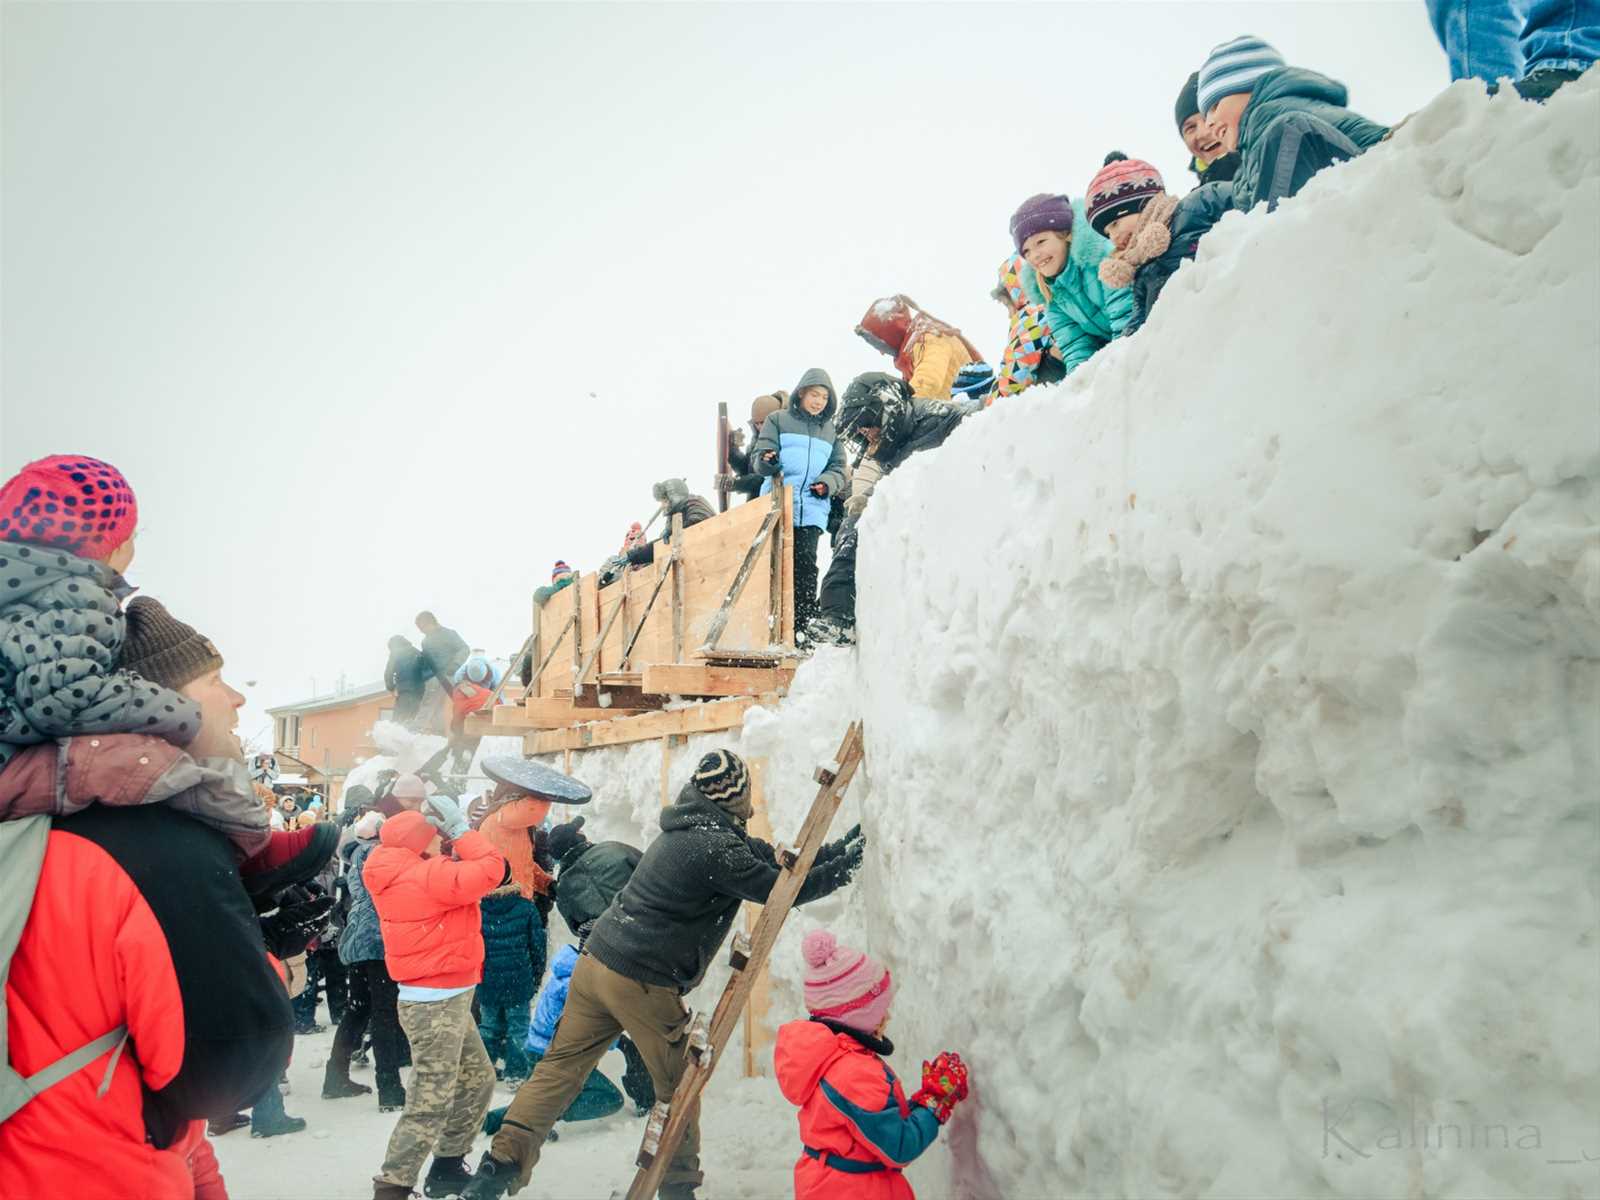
(362, 939)
(547, 1013)
(808, 449)
(1083, 313)
(513, 948)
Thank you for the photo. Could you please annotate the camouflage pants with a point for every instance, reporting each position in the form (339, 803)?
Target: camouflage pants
(451, 1083)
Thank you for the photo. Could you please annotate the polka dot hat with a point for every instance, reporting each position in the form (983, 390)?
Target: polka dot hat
(71, 502)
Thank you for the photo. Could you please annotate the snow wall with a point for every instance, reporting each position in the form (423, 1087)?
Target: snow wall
(1233, 711)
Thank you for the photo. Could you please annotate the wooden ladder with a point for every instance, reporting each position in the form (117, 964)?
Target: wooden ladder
(667, 1121)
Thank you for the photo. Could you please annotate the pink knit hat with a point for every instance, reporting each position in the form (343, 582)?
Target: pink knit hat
(845, 985)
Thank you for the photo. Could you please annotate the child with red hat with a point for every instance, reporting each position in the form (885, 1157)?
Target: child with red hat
(1151, 232)
(858, 1128)
(67, 526)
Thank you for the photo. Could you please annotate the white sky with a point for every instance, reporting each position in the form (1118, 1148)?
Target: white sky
(385, 307)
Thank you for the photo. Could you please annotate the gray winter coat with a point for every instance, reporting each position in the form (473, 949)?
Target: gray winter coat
(362, 940)
(61, 634)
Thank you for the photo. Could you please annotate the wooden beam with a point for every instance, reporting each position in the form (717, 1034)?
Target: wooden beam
(698, 718)
(677, 587)
(679, 679)
(757, 1028)
(598, 704)
(621, 678)
(540, 712)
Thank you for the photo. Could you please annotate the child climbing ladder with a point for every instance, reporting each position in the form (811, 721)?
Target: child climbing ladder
(668, 1121)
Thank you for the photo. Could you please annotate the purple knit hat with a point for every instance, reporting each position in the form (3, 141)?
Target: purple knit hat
(1124, 185)
(1039, 213)
(843, 984)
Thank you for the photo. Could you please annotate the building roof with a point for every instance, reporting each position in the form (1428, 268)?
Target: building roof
(344, 699)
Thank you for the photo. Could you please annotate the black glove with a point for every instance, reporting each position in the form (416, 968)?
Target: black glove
(833, 850)
(301, 918)
(541, 850)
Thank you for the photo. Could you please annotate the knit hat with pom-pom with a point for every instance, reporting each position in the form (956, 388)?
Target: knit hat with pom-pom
(844, 984)
(1124, 185)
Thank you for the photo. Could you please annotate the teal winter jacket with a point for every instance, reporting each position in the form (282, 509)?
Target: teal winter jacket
(1084, 314)
(1295, 125)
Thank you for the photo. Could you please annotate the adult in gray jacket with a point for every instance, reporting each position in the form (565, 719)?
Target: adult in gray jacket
(373, 997)
(650, 947)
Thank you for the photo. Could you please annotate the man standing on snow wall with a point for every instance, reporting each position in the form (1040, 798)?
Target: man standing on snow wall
(647, 950)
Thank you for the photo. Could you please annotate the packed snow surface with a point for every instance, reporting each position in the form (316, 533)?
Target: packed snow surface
(1233, 719)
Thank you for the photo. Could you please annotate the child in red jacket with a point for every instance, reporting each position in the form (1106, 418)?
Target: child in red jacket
(859, 1130)
(427, 907)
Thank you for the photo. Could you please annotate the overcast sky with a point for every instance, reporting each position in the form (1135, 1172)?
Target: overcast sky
(384, 307)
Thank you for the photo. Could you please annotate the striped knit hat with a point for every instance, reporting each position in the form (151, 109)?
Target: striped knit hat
(845, 985)
(1124, 185)
(1234, 67)
(560, 569)
(723, 779)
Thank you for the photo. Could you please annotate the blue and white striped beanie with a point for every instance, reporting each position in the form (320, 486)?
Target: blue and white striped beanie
(1234, 67)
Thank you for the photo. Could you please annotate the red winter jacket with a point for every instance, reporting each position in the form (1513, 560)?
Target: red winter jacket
(139, 919)
(852, 1111)
(428, 905)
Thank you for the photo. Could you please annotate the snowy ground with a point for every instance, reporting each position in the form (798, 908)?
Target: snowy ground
(749, 1143)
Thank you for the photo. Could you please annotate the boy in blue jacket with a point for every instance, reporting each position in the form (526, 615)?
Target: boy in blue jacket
(802, 443)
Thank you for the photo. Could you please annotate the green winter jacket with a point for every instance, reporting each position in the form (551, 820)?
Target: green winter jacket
(1295, 125)
(589, 878)
(1083, 313)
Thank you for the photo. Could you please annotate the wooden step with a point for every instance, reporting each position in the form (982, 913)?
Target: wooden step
(696, 718)
(679, 679)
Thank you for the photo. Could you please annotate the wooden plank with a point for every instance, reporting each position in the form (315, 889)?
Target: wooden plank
(621, 678)
(757, 1027)
(699, 718)
(677, 587)
(542, 712)
(677, 679)
(657, 1151)
(779, 656)
(598, 703)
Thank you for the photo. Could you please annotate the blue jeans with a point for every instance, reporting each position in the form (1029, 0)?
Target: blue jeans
(504, 1029)
(1491, 39)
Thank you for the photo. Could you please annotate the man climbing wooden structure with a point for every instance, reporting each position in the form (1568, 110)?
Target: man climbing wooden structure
(707, 1039)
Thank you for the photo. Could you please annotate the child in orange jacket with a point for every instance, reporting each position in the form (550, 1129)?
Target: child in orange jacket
(427, 907)
(858, 1129)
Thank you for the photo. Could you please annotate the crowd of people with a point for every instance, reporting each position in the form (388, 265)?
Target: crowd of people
(163, 914)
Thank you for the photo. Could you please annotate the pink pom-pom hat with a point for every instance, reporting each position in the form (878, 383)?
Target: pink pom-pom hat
(844, 984)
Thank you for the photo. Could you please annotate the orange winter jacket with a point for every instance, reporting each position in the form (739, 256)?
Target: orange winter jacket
(428, 904)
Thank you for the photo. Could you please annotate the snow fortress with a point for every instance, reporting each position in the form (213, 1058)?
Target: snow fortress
(1233, 711)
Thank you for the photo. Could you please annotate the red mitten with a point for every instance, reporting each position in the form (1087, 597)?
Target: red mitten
(944, 1084)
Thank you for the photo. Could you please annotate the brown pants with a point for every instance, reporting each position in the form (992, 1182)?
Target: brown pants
(602, 1004)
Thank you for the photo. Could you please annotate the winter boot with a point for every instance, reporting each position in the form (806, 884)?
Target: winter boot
(493, 1180)
(337, 1084)
(677, 1191)
(1541, 85)
(447, 1177)
(218, 1126)
(391, 1101)
(267, 1118)
(382, 1189)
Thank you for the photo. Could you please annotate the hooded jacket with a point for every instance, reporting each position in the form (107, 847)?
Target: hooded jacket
(138, 919)
(1295, 125)
(406, 672)
(589, 878)
(927, 352)
(428, 905)
(552, 1000)
(668, 923)
(809, 451)
(852, 1107)
(362, 939)
(513, 948)
(61, 634)
(1083, 313)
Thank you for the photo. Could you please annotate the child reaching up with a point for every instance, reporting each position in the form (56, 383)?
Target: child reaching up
(858, 1129)
(67, 526)
(1151, 231)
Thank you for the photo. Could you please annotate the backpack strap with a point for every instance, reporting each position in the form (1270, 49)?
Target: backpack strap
(22, 846)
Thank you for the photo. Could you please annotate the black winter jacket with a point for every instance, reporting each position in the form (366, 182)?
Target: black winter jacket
(406, 670)
(1191, 220)
(590, 877)
(668, 923)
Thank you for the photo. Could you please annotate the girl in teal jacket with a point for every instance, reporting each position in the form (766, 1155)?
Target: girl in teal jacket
(1062, 275)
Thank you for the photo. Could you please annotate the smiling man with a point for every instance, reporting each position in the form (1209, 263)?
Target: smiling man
(1208, 159)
